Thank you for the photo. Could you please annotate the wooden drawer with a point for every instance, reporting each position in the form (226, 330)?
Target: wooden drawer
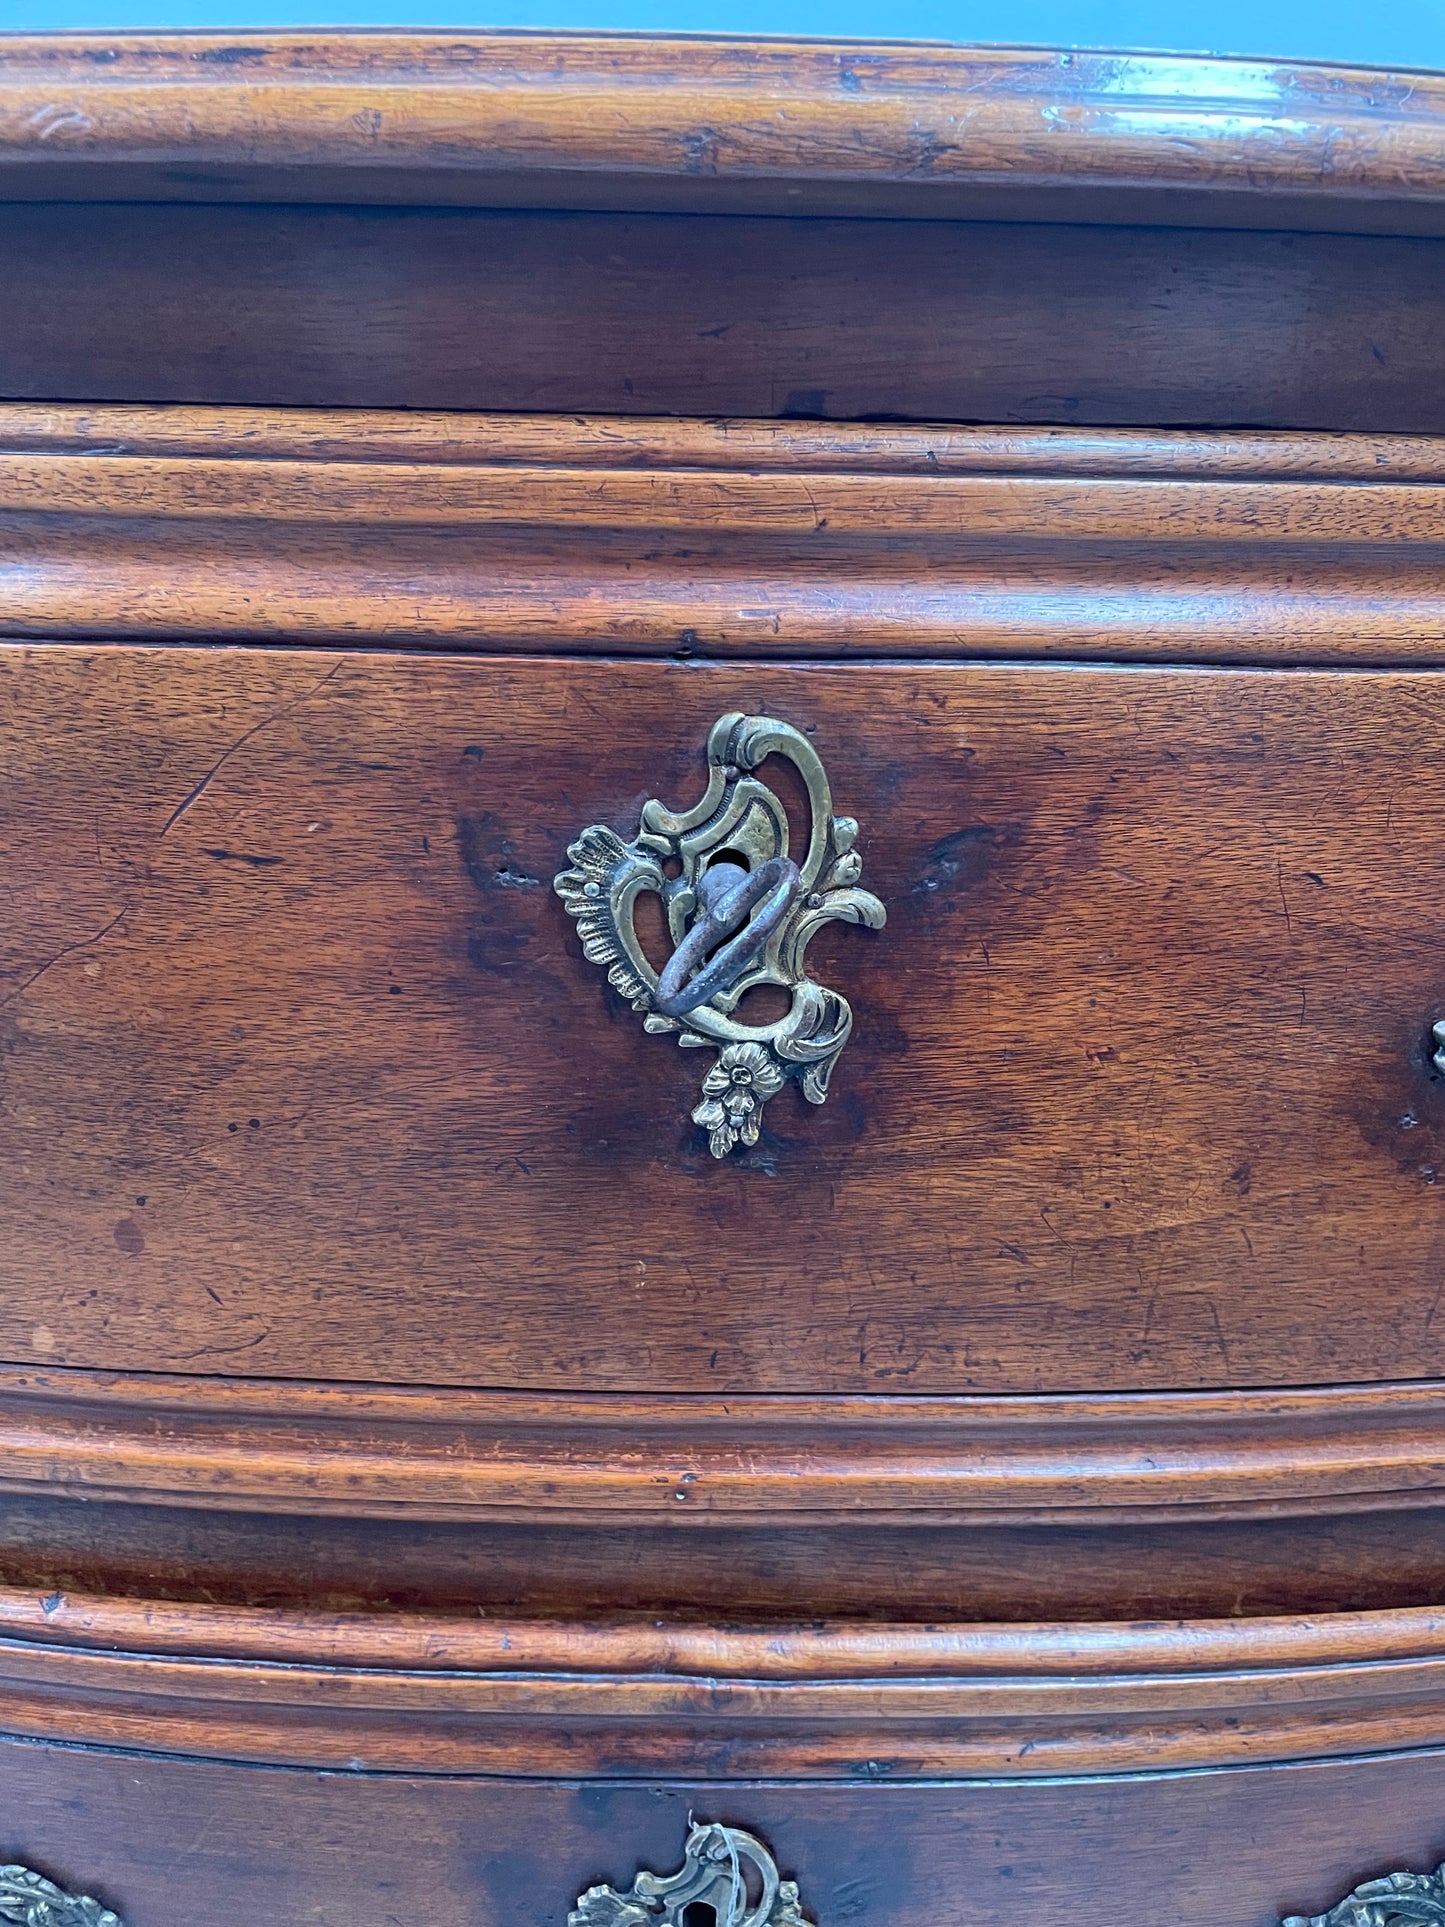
(305, 1075)
(459, 1773)
(449, 1471)
(200, 1844)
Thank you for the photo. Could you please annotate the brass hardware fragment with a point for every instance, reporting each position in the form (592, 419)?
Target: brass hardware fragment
(727, 894)
(28, 1899)
(724, 1870)
(1395, 1900)
(734, 925)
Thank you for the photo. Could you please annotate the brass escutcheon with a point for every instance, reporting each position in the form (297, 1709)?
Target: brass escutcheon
(727, 1879)
(733, 925)
(28, 1899)
(1392, 1900)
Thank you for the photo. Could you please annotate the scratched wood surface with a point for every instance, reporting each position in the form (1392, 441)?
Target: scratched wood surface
(605, 120)
(540, 1699)
(200, 1844)
(710, 315)
(748, 538)
(305, 1074)
(278, 1493)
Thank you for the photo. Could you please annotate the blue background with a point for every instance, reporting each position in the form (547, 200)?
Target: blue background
(1383, 32)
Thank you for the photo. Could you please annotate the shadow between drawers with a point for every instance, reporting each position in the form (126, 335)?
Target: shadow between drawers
(421, 1694)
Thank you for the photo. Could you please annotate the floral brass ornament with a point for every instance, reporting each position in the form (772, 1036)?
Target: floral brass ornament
(734, 925)
(28, 1899)
(1395, 1900)
(724, 1869)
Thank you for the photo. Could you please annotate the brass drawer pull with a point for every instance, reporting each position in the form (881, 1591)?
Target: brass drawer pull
(1394, 1900)
(725, 876)
(727, 1879)
(28, 1899)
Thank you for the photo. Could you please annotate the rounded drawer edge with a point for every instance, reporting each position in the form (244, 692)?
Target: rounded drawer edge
(629, 1699)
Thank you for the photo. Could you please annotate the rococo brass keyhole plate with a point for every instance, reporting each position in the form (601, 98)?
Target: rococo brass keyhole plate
(727, 1878)
(734, 925)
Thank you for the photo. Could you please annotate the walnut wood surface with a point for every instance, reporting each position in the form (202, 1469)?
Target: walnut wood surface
(276, 1493)
(664, 443)
(634, 1649)
(711, 315)
(428, 1695)
(831, 1465)
(199, 1844)
(670, 122)
(305, 1075)
(576, 1457)
(728, 538)
(864, 1568)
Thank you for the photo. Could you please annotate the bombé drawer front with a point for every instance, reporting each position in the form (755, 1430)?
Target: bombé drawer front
(1084, 1036)
(118, 1840)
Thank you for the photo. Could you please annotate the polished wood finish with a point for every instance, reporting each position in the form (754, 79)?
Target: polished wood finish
(861, 1569)
(667, 123)
(130, 431)
(537, 1699)
(306, 1075)
(1013, 1490)
(194, 1843)
(710, 315)
(364, 1452)
(758, 538)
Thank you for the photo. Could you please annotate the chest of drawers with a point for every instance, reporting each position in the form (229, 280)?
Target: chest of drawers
(961, 1439)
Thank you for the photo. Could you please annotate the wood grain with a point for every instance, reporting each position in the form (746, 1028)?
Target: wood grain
(712, 315)
(673, 122)
(305, 1076)
(571, 1457)
(481, 495)
(412, 1404)
(664, 443)
(431, 1643)
(718, 1567)
(198, 1844)
(539, 1701)
(744, 538)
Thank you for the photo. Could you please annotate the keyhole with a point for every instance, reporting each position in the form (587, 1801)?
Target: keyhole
(699, 1913)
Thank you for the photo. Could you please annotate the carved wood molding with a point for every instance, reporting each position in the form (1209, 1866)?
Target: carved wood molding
(750, 539)
(276, 1445)
(597, 120)
(431, 1694)
(462, 439)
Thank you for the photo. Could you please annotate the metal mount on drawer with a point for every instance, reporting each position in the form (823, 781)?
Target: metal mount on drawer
(740, 912)
(1394, 1900)
(727, 1877)
(28, 1899)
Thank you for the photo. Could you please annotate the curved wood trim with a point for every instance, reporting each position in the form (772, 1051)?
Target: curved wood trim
(721, 539)
(363, 1451)
(542, 1699)
(429, 1642)
(385, 495)
(131, 430)
(599, 120)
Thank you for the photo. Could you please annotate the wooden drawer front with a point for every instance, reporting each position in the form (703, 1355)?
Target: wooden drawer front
(196, 1844)
(304, 1072)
